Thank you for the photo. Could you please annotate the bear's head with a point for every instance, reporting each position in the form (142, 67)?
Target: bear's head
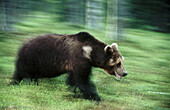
(114, 61)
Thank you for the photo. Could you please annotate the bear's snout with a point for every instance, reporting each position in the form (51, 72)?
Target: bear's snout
(125, 74)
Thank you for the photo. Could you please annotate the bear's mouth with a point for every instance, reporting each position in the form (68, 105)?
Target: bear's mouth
(117, 75)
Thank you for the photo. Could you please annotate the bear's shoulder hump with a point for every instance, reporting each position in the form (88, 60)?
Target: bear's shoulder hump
(84, 36)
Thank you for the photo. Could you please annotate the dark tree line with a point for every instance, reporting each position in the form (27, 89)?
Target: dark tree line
(150, 13)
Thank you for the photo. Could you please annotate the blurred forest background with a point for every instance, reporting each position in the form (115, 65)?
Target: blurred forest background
(107, 15)
(140, 27)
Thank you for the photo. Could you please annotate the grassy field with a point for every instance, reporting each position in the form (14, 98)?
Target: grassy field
(147, 86)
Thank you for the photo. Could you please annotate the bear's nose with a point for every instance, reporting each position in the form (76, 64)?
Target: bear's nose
(124, 74)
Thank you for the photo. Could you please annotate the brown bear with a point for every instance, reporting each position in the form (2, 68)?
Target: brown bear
(51, 55)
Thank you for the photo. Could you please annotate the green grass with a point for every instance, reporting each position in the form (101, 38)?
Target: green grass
(147, 60)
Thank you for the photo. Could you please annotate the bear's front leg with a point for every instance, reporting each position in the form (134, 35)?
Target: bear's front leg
(89, 91)
(87, 88)
(81, 75)
(70, 80)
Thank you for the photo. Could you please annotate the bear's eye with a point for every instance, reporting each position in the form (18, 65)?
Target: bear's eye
(119, 64)
(111, 67)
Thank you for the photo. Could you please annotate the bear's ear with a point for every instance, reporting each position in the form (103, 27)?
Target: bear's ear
(108, 49)
(114, 46)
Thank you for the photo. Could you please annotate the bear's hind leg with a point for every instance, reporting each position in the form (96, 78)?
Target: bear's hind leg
(36, 79)
(16, 79)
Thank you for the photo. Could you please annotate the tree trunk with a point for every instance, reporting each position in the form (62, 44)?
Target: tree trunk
(111, 19)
